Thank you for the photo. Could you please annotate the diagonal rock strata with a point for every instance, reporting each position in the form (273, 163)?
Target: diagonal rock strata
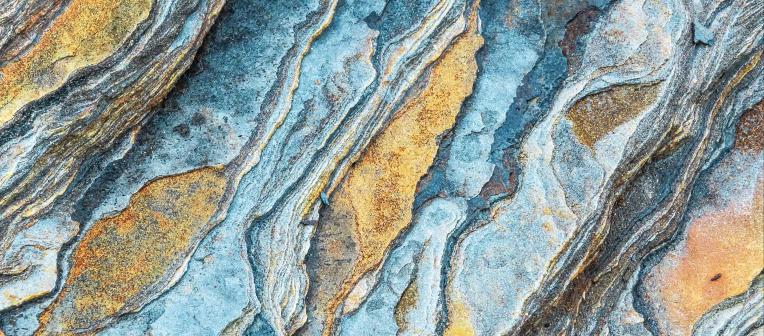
(381, 167)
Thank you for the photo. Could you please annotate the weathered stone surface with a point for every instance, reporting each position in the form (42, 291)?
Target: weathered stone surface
(381, 167)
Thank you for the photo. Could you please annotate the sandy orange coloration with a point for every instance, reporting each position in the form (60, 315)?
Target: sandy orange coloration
(85, 33)
(122, 258)
(458, 320)
(379, 190)
(596, 115)
(724, 251)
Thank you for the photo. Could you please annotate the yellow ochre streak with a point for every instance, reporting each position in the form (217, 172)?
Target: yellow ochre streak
(136, 252)
(85, 33)
(379, 190)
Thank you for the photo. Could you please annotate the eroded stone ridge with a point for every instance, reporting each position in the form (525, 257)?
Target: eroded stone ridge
(381, 167)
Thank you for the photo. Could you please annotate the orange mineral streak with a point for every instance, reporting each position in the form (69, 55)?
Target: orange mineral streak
(85, 33)
(724, 251)
(122, 259)
(379, 190)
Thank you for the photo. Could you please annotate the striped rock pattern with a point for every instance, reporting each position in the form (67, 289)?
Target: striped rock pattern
(381, 167)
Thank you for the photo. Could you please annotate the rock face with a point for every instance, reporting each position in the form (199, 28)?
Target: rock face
(381, 167)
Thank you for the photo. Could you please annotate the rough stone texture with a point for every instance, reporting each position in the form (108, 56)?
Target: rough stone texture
(381, 167)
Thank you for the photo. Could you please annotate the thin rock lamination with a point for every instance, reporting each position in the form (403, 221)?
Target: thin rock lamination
(381, 167)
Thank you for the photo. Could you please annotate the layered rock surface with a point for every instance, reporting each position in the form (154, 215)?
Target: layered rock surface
(381, 167)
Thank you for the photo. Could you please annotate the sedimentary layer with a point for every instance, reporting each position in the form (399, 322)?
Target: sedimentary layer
(381, 167)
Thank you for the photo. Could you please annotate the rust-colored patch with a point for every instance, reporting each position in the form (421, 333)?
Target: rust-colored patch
(378, 192)
(85, 33)
(750, 130)
(724, 251)
(596, 115)
(498, 185)
(125, 257)
(579, 26)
